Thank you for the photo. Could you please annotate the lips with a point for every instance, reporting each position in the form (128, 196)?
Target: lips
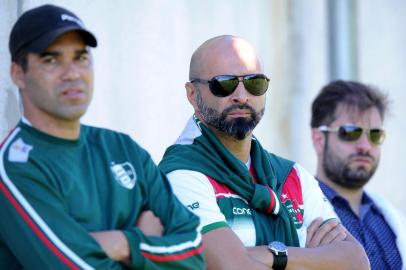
(363, 159)
(239, 113)
(73, 93)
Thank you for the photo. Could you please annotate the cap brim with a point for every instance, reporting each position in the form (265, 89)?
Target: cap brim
(42, 43)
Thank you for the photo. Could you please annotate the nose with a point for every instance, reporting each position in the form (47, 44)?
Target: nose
(240, 95)
(363, 142)
(70, 71)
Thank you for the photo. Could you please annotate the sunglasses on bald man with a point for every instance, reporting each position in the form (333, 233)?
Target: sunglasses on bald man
(352, 133)
(225, 85)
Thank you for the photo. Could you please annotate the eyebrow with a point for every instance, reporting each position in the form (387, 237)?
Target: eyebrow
(56, 53)
(48, 53)
(82, 51)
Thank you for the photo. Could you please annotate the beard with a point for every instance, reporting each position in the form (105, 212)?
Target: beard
(340, 171)
(238, 128)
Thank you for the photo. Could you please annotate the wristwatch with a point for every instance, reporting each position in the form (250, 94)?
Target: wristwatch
(280, 255)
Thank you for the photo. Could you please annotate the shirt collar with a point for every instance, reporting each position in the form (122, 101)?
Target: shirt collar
(248, 163)
(331, 194)
(328, 191)
(25, 121)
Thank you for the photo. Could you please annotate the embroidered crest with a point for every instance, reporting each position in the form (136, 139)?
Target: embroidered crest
(295, 210)
(124, 174)
(19, 151)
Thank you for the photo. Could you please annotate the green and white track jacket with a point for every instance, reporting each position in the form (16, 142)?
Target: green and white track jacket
(53, 192)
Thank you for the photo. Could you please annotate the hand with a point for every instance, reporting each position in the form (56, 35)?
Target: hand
(149, 224)
(324, 232)
(114, 243)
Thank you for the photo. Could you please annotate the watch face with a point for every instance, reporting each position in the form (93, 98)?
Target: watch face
(279, 246)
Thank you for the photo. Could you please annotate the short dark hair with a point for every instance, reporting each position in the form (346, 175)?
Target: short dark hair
(21, 59)
(350, 93)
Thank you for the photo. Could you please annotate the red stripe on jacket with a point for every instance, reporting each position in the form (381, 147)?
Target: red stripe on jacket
(220, 188)
(31, 223)
(174, 257)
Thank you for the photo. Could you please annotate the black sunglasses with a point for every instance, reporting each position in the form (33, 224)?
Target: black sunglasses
(224, 85)
(352, 133)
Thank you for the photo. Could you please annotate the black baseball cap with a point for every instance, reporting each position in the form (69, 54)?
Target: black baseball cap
(37, 28)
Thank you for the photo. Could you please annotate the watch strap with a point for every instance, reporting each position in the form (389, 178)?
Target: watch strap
(280, 255)
(279, 261)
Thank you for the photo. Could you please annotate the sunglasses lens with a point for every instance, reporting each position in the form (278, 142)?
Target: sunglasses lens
(349, 133)
(222, 86)
(376, 136)
(256, 84)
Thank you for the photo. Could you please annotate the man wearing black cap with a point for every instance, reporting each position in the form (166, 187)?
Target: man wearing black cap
(74, 196)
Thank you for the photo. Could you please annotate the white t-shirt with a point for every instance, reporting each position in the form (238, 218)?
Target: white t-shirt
(301, 194)
(196, 191)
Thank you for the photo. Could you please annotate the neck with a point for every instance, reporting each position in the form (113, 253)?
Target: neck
(64, 129)
(240, 148)
(353, 196)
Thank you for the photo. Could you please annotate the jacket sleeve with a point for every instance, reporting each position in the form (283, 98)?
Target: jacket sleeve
(7, 259)
(36, 227)
(181, 246)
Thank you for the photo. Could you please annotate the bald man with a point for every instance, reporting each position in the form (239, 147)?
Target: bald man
(257, 210)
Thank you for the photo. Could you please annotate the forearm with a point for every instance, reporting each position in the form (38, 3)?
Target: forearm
(261, 254)
(224, 250)
(346, 254)
(337, 255)
(181, 251)
(115, 245)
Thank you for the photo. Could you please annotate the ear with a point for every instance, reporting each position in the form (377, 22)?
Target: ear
(18, 75)
(318, 139)
(191, 94)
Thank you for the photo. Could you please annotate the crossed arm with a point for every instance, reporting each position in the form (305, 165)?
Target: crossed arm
(157, 233)
(115, 243)
(328, 246)
(38, 232)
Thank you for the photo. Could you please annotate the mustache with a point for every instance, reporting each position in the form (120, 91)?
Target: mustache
(71, 84)
(362, 155)
(239, 107)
